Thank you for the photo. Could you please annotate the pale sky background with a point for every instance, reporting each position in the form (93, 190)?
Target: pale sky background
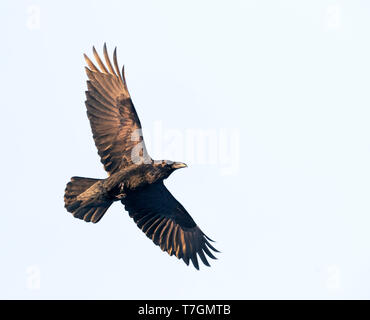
(289, 79)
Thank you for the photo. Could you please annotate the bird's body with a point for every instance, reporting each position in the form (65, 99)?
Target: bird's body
(127, 180)
(134, 178)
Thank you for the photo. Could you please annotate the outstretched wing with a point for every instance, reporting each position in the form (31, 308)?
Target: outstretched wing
(114, 122)
(164, 220)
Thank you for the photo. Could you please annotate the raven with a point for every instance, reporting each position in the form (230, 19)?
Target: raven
(134, 178)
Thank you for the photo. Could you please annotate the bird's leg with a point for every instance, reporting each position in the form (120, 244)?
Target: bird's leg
(121, 194)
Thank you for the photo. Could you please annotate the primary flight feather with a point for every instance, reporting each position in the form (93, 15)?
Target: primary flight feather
(134, 178)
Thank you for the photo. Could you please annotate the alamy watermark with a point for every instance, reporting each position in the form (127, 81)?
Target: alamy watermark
(33, 21)
(212, 147)
(333, 17)
(33, 277)
(333, 278)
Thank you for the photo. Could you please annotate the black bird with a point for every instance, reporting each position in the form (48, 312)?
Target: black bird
(134, 178)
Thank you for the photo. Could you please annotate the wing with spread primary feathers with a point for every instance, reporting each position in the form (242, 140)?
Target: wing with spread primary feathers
(114, 122)
(164, 220)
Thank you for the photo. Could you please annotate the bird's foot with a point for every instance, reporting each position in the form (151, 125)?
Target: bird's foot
(121, 193)
(121, 196)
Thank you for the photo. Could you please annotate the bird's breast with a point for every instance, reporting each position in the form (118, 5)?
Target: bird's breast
(132, 178)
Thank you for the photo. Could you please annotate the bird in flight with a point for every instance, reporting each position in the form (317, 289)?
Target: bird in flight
(134, 178)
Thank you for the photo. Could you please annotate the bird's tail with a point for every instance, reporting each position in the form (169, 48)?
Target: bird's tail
(81, 198)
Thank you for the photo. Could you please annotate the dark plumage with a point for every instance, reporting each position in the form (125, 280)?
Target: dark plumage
(134, 178)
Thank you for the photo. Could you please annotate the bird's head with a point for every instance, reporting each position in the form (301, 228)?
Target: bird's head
(167, 166)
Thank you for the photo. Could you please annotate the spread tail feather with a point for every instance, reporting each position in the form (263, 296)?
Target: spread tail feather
(84, 204)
